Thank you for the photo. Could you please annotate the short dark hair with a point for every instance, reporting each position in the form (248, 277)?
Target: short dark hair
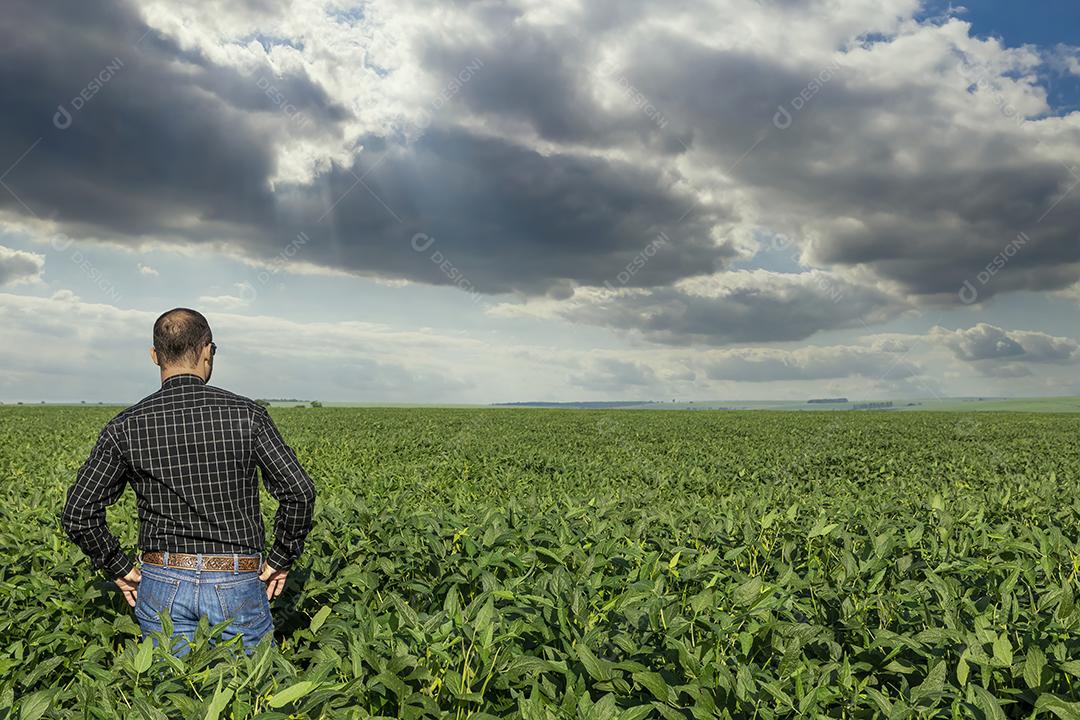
(180, 335)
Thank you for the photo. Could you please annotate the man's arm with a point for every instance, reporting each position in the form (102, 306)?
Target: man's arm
(287, 483)
(99, 483)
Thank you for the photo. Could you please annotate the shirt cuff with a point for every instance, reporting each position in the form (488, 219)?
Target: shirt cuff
(118, 565)
(279, 559)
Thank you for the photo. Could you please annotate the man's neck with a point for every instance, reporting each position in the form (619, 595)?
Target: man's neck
(174, 371)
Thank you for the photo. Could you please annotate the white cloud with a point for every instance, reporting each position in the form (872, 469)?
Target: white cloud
(18, 266)
(1070, 293)
(245, 294)
(147, 270)
(614, 375)
(1066, 58)
(809, 363)
(990, 346)
(349, 360)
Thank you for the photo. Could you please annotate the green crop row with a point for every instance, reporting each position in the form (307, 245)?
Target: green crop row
(594, 564)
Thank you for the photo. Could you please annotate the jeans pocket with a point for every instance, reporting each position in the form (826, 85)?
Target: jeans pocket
(155, 596)
(244, 603)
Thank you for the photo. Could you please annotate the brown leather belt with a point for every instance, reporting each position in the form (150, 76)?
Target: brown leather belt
(221, 563)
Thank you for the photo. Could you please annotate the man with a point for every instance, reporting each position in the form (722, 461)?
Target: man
(190, 452)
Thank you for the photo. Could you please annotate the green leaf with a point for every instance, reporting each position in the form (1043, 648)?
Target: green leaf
(147, 711)
(1066, 604)
(932, 685)
(35, 705)
(988, 703)
(1033, 667)
(880, 701)
(320, 618)
(221, 699)
(1072, 667)
(291, 693)
(592, 664)
(744, 684)
(655, 684)
(748, 591)
(962, 668)
(1061, 708)
(666, 712)
(7, 698)
(819, 530)
(636, 713)
(395, 685)
(145, 656)
(1003, 650)
(485, 623)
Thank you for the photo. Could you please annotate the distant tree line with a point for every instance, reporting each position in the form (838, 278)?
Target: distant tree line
(265, 402)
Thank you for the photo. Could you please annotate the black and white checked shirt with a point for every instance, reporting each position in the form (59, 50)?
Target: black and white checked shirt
(190, 451)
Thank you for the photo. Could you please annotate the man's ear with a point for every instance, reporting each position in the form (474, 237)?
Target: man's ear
(153, 356)
(205, 361)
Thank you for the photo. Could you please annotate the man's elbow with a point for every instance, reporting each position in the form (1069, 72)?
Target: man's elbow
(67, 513)
(70, 520)
(307, 494)
(75, 519)
(301, 495)
(304, 490)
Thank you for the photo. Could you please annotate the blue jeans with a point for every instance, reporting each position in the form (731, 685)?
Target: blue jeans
(187, 595)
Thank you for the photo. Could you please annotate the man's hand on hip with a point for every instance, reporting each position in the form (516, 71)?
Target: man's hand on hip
(274, 579)
(129, 585)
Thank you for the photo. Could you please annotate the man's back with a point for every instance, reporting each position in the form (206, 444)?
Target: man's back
(190, 452)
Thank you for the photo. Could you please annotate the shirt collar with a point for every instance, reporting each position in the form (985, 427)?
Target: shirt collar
(182, 379)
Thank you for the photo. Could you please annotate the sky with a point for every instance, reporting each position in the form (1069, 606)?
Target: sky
(476, 202)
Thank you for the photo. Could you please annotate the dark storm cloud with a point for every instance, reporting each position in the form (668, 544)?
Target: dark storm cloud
(129, 134)
(886, 177)
(173, 146)
(883, 177)
(505, 217)
(740, 307)
(878, 176)
(553, 82)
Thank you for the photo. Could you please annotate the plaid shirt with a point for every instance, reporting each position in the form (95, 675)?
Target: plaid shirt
(190, 451)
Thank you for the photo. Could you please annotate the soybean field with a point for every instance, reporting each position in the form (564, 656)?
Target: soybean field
(549, 564)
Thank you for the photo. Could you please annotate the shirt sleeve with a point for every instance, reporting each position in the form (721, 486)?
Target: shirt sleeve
(287, 483)
(99, 483)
